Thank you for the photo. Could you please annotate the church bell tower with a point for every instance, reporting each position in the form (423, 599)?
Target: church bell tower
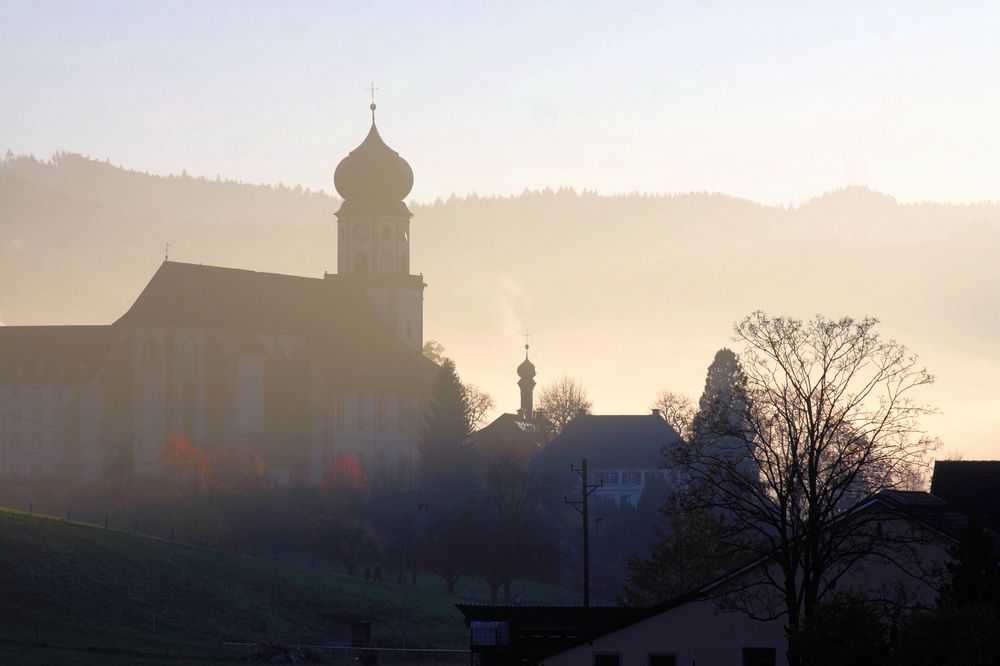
(373, 234)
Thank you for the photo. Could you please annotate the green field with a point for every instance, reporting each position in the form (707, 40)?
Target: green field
(77, 593)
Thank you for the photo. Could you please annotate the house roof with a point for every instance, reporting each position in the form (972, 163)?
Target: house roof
(609, 442)
(971, 486)
(923, 507)
(524, 438)
(46, 354)
(333, 318)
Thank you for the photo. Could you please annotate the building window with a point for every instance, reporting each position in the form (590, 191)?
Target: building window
(15, 470)
(380, 411)
(361, 410)
(58, 418)
(15, 441)
(339, 407)
(608, 659)
(59, 392)
(150, 353)
(361, 263)
(490, 632)
(36, 441)
(40, 369)
(36, 394)
(759, 656)
(662, 660)
(15, 392)
(385, 233)
(633, 478)
(409, 330)
(403, 413)
(83, 369)
(609, 478)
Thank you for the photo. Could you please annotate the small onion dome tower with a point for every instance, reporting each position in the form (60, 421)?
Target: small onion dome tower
(373, 233)
(526, 372)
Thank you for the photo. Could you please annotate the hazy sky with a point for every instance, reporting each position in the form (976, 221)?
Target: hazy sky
(776, 102)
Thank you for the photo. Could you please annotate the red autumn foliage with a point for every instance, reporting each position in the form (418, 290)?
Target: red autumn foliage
(186, 464)
(345, 472)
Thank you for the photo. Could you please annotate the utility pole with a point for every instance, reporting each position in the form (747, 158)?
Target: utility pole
(582, 507)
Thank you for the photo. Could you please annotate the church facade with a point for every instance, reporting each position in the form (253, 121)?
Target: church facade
(297, 369)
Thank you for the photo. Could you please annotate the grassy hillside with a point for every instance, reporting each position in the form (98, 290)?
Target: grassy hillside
(79, 587)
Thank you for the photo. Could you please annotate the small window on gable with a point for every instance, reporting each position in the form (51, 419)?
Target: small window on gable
(759, 656)
(662, 659)
(608, 659)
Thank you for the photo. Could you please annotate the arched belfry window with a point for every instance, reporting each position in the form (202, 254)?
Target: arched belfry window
(361, 262)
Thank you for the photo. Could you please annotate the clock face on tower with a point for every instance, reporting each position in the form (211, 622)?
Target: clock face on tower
(360, 232)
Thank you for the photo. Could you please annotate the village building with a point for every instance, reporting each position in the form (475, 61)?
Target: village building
(521, 435)
(625, 454)
(707, 625)
(297, 369)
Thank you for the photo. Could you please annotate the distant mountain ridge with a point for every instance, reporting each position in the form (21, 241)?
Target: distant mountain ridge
(628, 289)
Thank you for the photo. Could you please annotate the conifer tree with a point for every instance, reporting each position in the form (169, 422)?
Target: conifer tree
(446, 455)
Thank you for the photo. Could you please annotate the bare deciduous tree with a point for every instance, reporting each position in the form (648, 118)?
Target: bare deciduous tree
(677, 410)
(827, 419)
(481, 404)
(562, 400)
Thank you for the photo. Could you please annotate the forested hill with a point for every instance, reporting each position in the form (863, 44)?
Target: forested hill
(638, 287)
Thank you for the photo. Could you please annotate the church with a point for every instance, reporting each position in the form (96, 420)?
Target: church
(297, 369)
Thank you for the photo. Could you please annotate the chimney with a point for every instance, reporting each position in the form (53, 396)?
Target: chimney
(656, 412)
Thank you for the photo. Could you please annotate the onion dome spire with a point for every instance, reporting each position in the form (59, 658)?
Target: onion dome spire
(373, 178)
(526, 372)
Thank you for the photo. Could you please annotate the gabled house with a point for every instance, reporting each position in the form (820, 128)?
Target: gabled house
(701, 627)
(624, 454)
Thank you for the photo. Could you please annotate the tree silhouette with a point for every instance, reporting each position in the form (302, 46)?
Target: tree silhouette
(447, 460)
(562, 400)
(826, 418)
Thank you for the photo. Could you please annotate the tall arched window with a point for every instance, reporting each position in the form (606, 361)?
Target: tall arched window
(189, 402)
(150, 352)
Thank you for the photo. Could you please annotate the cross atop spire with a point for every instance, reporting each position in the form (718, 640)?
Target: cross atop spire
(372, 90)
(526, 336)
(166, 252)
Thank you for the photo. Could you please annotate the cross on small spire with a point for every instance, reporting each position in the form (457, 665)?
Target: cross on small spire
(372, 90)
(166, 252)
(526, 336)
